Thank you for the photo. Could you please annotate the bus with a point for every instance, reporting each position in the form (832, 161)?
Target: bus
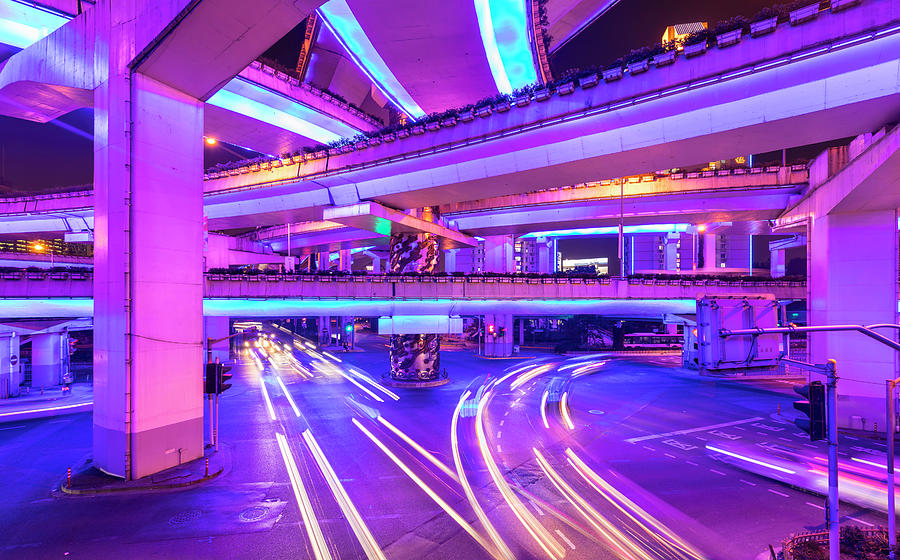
(653, 341)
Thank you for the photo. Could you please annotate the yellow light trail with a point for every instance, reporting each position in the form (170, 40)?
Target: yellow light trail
(612, 535)
(424, 452)
(425, 488)
(502, 550)
(596, 480)
(564, 410)
(529, 375)
(537, 531)
(313, 531)
(363, 535)
(544, 408)
(262, 385)
(288, 395)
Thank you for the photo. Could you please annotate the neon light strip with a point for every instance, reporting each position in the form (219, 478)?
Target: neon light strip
(504, 33)
(491, 50)
(751, 460)
(653, 228)
(264, 113)
(340, 20)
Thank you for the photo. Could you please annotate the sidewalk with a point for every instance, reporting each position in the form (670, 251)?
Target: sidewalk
(52, 403)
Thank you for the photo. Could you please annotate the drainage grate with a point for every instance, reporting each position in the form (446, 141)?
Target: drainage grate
(185, 517)
(254, 513)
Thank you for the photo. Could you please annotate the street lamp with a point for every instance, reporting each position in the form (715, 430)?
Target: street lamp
(39, 247)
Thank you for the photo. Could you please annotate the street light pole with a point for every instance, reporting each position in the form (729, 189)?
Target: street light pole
(834, 532)
(891, 430)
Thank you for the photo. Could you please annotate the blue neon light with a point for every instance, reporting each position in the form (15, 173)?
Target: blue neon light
(504, 33)
(653, 228)
(333, 256)
(296, 120)
(21, 25)
(340, 20)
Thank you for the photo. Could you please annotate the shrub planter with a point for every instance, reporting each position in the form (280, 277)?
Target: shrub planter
(448, 122)
(542, 94)
(695, 50)
(389, 137)
(244, 169)
(254, 167)
(547, 281)
(308, 278)
(475, 279)
(533, 280)
(359, 279)
(639, 66)
(505, 280)
(361, 145)
(804, 14)
(728, 38)
(252, 278)
(418, 129)
(78, 276)
(523, 101)
(403, 133)
(484, 111)
(467, 116)
(334, 151)
(838, 5)
(321, 154)
(562, 280)
(566, 88)
(490, 280)
(664, 59)
(502, 107)
(297, 159)
(442, 279)
(518, 280)
(589, 81)
(763, 26)
(457, 280)
(432, 126)
(612, 74)
(35, 275)
(590, 281)
(290, 278)
(375, 141)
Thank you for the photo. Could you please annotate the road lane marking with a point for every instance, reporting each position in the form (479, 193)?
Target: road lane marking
(669, 455)
(565, 539)
(502, 422)
(498, 449)
(747, 482)
(777, 492)
(650, 448)
(692, 430)
(717, 472)
(817, 506)
(498, 435)
(535, 506)
(860, 521)
(310, 522)
(691, 463)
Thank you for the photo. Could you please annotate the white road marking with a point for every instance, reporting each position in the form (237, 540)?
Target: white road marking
(670, 456)
(785, 439)
(852, 438)
(811, 445)
(650, 448)
(692, 430)
(506, 413)
(860, 521)
(535, 506)
(565, 539)
(717, 472)
(747, 482)
(817, 506)
(777, 492)
(502, 422)
(498, 449)
(498, 435)
(691, 463)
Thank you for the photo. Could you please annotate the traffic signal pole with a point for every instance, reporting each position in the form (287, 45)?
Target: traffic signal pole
(891, 431)
(834, 535)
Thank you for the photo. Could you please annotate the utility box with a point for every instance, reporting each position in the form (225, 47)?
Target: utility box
(737, 354)
(10, 365)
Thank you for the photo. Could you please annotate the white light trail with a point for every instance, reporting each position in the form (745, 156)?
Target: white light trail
(424, 452)
(750, 460)
(262, 385)
(289, 397)
(313, 531)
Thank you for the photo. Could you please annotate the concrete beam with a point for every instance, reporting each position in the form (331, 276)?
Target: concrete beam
(374, 217)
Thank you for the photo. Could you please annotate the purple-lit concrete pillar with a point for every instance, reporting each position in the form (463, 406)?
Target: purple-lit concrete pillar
(322, 261)
(415, 358)
(345, 260)
(545, 256)
(500, 345)
(710, 252)
(450, 260)
(148, 284)
(777, 262)
(498, 253)
(853, 280)
(47, 360)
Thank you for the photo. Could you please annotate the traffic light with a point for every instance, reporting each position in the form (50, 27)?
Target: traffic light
(501, 332)
(222, 378)
(491, 331)
(209, 381)
(814, 408)
(348, 328)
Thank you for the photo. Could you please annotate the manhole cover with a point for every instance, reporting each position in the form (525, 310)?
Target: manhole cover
(185, 517)
(254, 513)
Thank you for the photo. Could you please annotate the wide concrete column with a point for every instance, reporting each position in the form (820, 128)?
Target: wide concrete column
(450, 260)
(217, 328)
(853, 280)
(545, 256)
(148, 284)
(415, 358)
(710, 252)
(777, 262)
(499, 253)
(322, 260)
(345, 260)
(498, 346)
(48, 364)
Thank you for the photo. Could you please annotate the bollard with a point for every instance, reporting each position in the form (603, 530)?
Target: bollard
(69, 477)
(875, 428)
(778, 408)
(207, 467)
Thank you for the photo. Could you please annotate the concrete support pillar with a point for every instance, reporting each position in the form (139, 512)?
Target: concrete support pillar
(450, 260)
(777, 262)
(545, 256)
(325, 330)
(521, 331)
(48, 364)
(348, 331)
(671, 254)
(148, 251)
(10, 365)
(323, 261)
(345, 260)
(217, 328)
(853, 280)
(710, 252)
(415, 358)
(498, 253)
(500, 345)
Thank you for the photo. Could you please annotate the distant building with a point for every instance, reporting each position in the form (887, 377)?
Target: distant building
(678, 32)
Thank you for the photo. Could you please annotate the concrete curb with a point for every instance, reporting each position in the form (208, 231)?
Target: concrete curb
(137, 489)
